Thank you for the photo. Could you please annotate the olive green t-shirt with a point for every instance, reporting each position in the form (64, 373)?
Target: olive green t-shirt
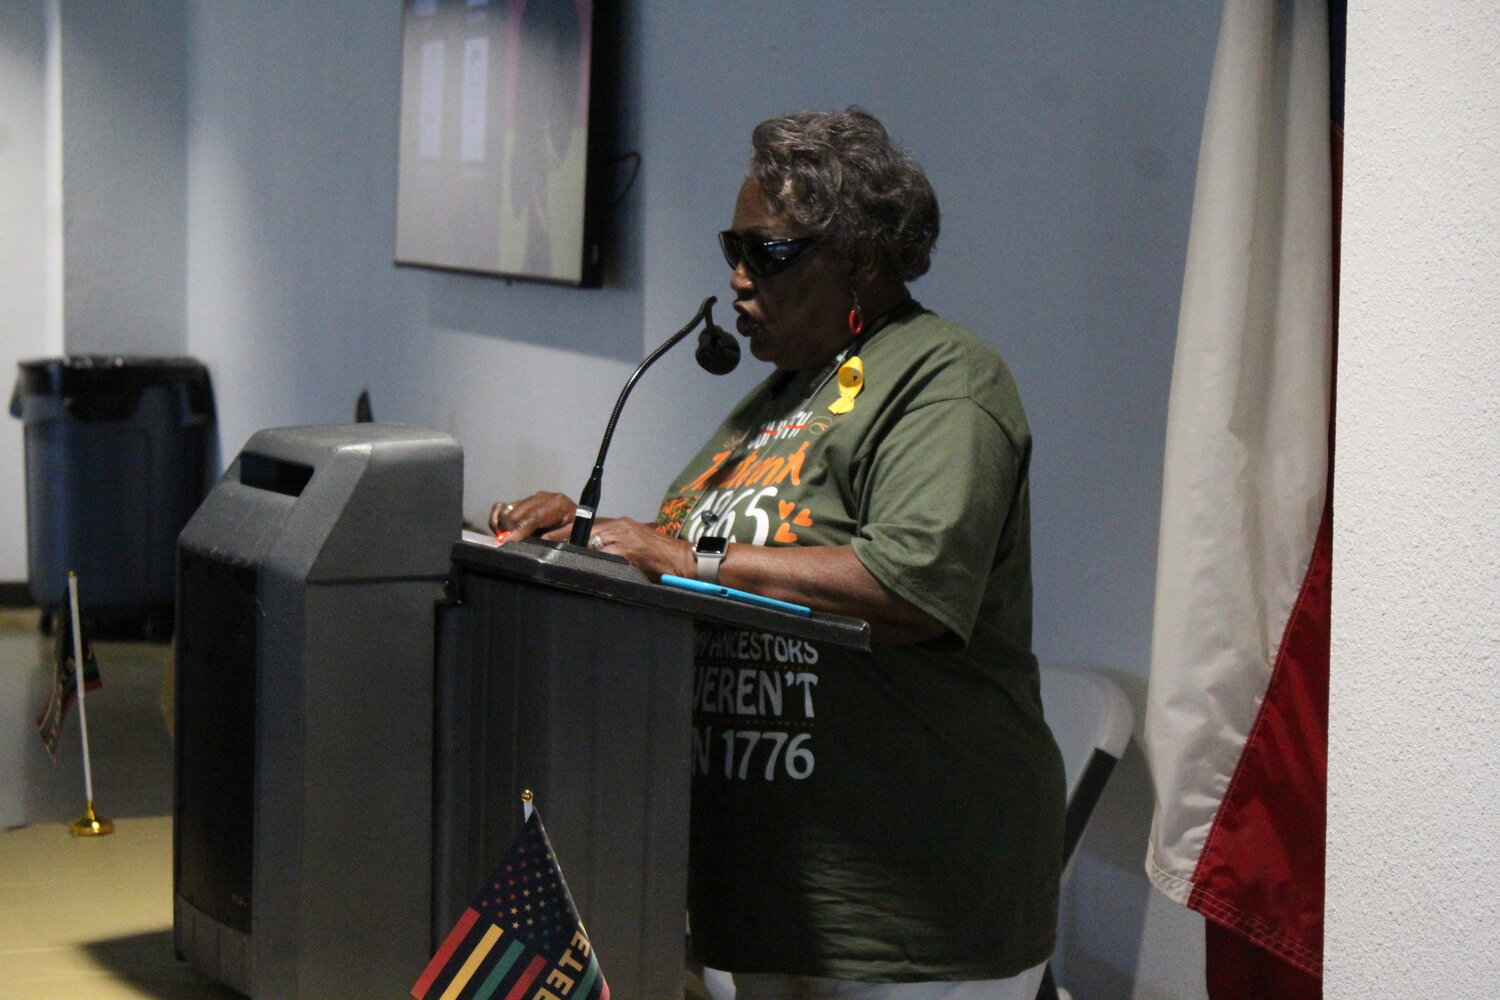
(893, 815)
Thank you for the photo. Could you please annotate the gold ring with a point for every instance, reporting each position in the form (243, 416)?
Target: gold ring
(597, 543)
(508, 508)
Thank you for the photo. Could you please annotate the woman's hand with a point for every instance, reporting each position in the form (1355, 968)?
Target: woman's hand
(825, 577)
(828, 578)
(643, 547)
(550, 516)
(539, 513)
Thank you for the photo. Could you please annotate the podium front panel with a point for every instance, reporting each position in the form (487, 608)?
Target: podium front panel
(585, 701)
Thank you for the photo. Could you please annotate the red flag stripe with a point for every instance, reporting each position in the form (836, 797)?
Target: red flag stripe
(450, 945)
(527, 978)
(1261, 870)
(1238, 968)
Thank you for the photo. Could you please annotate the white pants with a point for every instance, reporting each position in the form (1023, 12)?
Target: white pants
(763, 986)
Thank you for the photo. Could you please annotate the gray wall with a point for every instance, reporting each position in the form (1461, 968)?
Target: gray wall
(124, 158)
(93, 194)
(23, 334)
(1062, 141)
(23, 247)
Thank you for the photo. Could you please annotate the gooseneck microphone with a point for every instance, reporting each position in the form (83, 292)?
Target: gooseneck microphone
(718, 353)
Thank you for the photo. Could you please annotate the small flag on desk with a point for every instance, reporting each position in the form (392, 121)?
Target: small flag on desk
(520, 939)
(65, 681)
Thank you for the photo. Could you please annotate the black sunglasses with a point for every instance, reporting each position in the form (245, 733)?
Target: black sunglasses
(763, 257)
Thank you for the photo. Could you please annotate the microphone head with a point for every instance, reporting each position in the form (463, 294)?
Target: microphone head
(718, 352)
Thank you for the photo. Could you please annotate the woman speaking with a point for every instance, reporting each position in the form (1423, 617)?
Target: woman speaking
(884, 824)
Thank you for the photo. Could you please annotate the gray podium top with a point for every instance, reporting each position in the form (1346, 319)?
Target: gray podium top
(554, 564)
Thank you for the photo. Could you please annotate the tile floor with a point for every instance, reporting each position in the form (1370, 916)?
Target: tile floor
(88, 918)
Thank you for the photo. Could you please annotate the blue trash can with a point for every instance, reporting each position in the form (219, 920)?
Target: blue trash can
(119, 453)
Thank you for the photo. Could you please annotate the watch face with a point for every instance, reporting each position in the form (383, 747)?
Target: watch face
(711, 545)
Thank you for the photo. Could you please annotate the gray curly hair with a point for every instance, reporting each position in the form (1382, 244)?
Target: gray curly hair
(838, 175)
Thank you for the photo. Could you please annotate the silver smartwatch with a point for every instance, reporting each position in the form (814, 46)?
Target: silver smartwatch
(710, 552)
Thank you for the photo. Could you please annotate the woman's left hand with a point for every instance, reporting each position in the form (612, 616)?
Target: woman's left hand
(641, 545)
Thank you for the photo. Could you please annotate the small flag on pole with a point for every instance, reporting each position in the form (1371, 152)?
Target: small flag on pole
(520, 938)
(64, 680)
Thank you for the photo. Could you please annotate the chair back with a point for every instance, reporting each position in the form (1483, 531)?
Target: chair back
(1091, 719)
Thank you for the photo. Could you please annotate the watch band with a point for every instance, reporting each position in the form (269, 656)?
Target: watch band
(709, 552)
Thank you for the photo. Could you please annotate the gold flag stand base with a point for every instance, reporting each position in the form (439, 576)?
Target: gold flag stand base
(90, 825)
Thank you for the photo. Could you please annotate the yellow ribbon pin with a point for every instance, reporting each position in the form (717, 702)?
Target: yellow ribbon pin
(851, 380)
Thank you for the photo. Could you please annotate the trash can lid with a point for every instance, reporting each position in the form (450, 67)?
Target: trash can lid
(90, 379)
(43, 376)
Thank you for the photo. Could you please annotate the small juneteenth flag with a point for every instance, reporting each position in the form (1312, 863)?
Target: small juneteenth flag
(65, 681)
(520, 938)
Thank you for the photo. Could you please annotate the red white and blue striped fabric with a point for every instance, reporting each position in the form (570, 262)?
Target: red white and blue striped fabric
(1237, 709)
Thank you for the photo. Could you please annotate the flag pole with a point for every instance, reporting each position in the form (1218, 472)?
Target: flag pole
(88, 825)
(526, 806)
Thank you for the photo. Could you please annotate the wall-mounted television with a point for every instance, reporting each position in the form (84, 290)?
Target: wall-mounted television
(495, 133)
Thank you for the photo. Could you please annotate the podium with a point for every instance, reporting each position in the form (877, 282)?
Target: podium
(568, 674)
(361, 700)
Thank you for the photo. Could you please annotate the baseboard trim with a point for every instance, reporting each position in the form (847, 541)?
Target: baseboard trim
(15, 595)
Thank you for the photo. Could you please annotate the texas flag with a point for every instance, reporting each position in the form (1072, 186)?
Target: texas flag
(1237, 708)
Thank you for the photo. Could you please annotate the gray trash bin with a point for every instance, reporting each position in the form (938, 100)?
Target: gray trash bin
(302, 806)
(119, 453)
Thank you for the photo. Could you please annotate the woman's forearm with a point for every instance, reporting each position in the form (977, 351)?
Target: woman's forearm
(827, 578)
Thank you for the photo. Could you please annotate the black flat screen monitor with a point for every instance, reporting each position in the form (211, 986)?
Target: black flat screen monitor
(494, 155)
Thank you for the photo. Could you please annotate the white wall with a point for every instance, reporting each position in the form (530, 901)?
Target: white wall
(92, 197)
(25, 333)
(23, 243)
(1414, 801)
(123, 173)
